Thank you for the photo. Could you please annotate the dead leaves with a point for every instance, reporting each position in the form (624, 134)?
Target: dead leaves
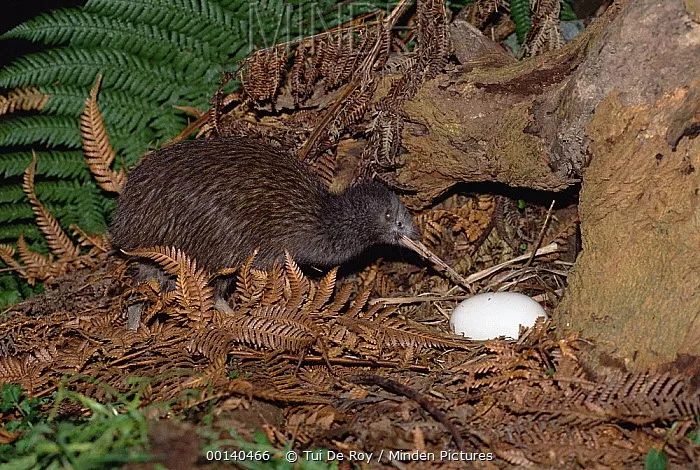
(22, 99)
(64, 254)
(282, 310)
(99, 153)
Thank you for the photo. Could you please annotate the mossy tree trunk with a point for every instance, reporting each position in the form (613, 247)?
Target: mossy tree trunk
(616, 109)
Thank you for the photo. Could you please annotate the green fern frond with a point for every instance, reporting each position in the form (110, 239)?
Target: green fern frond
(202, 19)
(119, 109)
(46, 191)
(11, 232)
(40, 129)
(153, 55)
(520, 13)
(567, 12)
(120, 70)
(49, 163)
(87, 30)
(88, 211)
(13, 212)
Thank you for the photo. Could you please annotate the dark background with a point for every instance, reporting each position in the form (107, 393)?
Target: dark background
(19, 11)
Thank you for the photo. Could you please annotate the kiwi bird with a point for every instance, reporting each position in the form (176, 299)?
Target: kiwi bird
(220, 199)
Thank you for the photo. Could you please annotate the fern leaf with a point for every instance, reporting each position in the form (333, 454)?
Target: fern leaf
(121, 110)
(99, 153)
(202, 19)
(99, 242)
(50, 191)
(123, 71)
(7, 254)
(520, 12)
(35, 264)
(22, 99)
(88, 30)
(56, 238)
(567, 11)
(192, 291)
(10, 232)
(167, 257)
(66, 164)
(13, 212)
(87, 212)
(324, 291)
(47, 130)
(266, 328)
(298, 283)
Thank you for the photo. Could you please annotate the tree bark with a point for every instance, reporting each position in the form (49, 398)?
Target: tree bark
(617, 109)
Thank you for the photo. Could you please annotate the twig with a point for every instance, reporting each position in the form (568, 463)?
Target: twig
(340, 361)
(540, 237)
(416, 299)
(551, 248)
(545, 250)
(425, 252)
(400, 389)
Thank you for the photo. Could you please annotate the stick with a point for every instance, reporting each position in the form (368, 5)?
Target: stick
(425, 252)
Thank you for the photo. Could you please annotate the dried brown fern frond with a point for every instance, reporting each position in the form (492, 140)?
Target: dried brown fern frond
(22, 99)
(545, 34)
(261, 73)
(58, 241)
(479, 12)
(35, 264)
(273, 291)
(7, 255)
(96, 243)
(641, 397)
(298, 283)
(380, 155)
(99, 153)
(325, 166)
(192, 293)
(248, 289)
(381, 329)
(212, 342)
(169, 258)
(357, 75)
(14, 370)
(275, 379)
(272, 328)
(322, 293)
(302, 75)
(353, 109)
(433, 36)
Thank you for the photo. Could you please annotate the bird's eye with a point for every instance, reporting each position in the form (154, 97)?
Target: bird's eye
(399, 223)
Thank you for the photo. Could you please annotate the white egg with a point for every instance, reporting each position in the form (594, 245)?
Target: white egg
(494, 314)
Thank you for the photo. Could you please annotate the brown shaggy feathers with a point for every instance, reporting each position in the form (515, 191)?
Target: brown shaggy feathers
(218, 200)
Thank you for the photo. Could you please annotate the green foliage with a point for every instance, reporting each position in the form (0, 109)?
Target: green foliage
(656, 460)
(520, 13)
(63, 165)
(694, 435)
(567, 11)
(153, 55)
(40, 130)
(111, 435)
(12, 290)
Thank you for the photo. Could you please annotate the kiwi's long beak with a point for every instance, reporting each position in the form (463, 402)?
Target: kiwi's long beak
(425, 253)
